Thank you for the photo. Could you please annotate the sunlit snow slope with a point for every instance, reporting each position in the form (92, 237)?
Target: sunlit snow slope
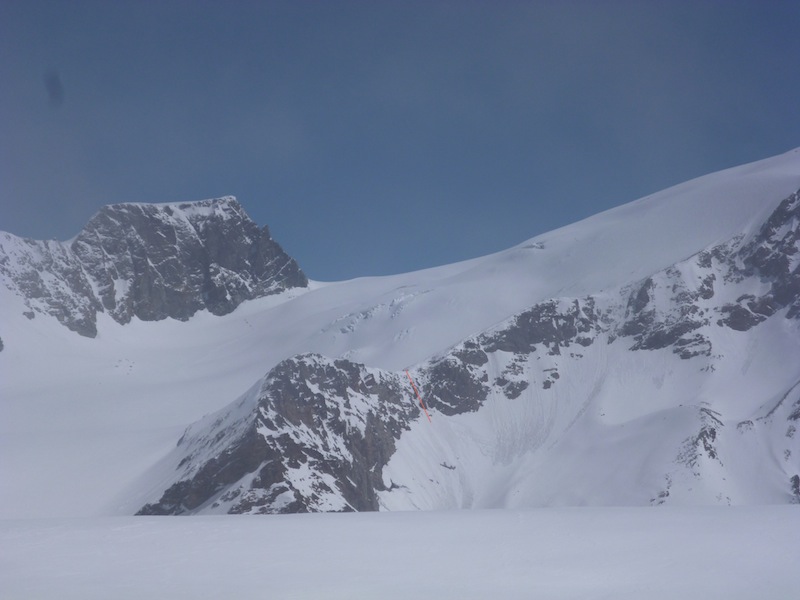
(568, 370)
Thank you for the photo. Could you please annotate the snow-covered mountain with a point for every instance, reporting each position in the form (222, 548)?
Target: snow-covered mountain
(647, 355)
(149, 261)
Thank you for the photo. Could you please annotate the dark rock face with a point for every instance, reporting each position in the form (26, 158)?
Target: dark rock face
(153, 262)
(794, 485)
(51, 280)
(702, 444)
(315, 437)
(455, 385)
(551, 324)
(669, 308)
(774, 257)
(234, 462)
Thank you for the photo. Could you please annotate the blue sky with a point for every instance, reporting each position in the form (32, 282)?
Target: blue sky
(378, 137)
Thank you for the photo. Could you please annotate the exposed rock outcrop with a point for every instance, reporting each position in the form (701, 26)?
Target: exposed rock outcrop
(150, 261)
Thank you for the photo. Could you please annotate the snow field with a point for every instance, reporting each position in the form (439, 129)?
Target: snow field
(588, 553)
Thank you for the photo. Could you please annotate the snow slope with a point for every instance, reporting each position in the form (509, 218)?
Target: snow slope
(83, 421)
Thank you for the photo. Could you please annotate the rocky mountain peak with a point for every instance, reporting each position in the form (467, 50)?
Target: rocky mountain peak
(151, 261)
(199, 213)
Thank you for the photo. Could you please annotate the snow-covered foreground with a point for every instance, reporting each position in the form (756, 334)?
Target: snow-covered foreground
(653, 553)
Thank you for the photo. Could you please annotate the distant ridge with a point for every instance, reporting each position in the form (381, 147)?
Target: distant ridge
(150, 261)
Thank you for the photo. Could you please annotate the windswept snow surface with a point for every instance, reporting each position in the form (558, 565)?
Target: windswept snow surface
(588, 553)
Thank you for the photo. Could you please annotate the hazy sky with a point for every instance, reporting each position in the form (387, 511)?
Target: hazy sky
(378, 137)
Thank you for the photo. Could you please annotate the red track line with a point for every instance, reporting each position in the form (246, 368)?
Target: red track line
(416, 391)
